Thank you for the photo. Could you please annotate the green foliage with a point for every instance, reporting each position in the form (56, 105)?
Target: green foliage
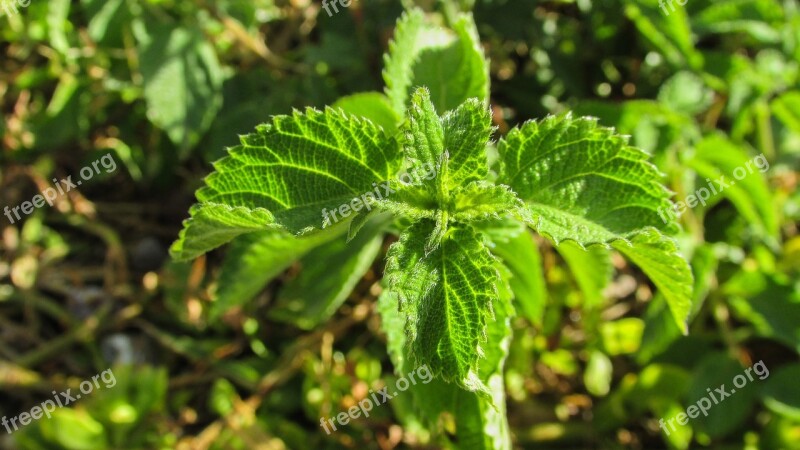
(110, 417)
(564, 279)
(569, 179)
(449, 62)
(330, 273)
(584, 184)
(253, 188)
(446, 297)
(182, 79)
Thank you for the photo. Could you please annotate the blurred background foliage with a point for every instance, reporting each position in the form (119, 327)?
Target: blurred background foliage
(165, 86)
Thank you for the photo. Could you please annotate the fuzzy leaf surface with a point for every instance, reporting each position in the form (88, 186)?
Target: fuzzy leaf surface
(446, 297)
(583, 183)
(480, 420)
(450, 63)
(286, 175)
(454, 144)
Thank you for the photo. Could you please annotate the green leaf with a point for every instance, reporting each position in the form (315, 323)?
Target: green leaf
(622, 337)
(716, 157)
(660, 330)
(66, 116)
(781, 392)
(214, 224)
(411, 36)
(182, 83)
(450, 63)
(107, 20)
(253, 260)
(680, 435)
(373, 106)
(329, 275)
(521, 256)
(480, 421)
(592, 269)
(446, 298)
(727, 417)
(686, 93)
(457, 72)
(597, 377)
(653, 126)
(74, 430)
(222, 398)
(787, 109)
(393, 324)
(741, 16)
(657, 255)
(298, 174)
(58, 25)
(581, 181)
(667, 29)
(774, 310)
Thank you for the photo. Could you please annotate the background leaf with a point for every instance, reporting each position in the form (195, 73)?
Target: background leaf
(330, 273)
(182, 83)
(450, 63)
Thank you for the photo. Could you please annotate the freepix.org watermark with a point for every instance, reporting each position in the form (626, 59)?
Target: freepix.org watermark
(59, 400)
(327, 4)
(714, 188)
(704, 404)
(9, 6)
(382, 190)
(671, 4)
(50, 194)
(366, 405)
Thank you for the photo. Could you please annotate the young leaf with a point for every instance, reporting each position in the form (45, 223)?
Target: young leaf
(483, 200)
(467, 130)
(425, 135)
(455, 144)
(292, 175)
(451, 65)
(446, 297)
(428, 141)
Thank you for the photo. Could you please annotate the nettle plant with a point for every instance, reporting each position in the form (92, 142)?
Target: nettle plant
(456, 275)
